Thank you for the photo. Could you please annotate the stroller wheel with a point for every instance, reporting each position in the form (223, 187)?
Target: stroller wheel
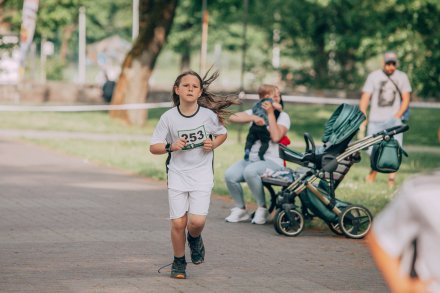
(336, 228)
(283, 225)
(355, 221)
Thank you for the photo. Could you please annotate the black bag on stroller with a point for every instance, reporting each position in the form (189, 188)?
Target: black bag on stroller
(386, 156)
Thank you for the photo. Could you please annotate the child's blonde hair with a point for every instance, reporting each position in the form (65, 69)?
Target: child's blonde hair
(266, 91)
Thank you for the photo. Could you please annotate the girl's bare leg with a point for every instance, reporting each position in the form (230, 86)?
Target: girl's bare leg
(178, 236)
(196, 223)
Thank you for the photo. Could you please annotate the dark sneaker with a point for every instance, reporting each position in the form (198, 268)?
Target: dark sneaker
(178, 269)
(246, 154)
(197, 249)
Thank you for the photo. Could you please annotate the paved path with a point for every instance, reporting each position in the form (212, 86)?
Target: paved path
(47, 134)
(69, 226)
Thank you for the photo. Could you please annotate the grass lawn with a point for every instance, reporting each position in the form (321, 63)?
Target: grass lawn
(134, 155)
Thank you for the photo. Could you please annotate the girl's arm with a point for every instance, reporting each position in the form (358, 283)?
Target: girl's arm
(243, 117)
(276, 131)
(218, 140)
(159, 148)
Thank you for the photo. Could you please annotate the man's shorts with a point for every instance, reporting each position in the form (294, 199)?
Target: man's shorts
(193, 202)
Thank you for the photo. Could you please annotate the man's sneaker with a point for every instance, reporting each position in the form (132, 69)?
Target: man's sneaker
(237, 215)
(178, 268)
(260, 216)
(197, 249)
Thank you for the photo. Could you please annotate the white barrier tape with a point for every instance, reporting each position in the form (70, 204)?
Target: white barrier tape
(40, 134)
(309, 100)
(425, 105)
(142, 106)
(336, 101)
(82, 108)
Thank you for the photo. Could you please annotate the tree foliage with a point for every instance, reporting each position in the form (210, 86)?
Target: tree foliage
(324, 43)
(57, 21)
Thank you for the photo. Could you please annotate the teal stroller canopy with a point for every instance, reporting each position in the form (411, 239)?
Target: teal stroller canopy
(343, 123)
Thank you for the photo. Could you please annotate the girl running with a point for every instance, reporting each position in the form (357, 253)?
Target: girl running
(189, 132)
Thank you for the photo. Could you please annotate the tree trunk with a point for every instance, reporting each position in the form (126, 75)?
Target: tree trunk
(320, 62)
(156, 18)
(65, 38)
(348, 74)
(185, 58)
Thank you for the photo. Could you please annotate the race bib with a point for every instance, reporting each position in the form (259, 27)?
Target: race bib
(194, 137)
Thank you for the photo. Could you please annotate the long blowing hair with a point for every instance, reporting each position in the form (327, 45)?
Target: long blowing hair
(217, 103)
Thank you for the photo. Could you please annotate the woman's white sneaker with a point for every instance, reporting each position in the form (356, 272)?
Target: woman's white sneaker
(237, 215)
(260, 216)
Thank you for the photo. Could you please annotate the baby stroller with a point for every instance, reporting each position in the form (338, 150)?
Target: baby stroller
(324, 169)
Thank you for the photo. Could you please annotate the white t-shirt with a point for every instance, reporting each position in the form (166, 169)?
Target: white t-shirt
(272, 152)
(189, 169)
(414, 213)
(385, 98)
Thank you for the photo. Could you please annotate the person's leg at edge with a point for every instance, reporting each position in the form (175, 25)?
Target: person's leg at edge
(233, 179)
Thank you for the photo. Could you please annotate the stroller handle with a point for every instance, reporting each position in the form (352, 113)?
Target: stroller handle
(310, 143)
(394, 130)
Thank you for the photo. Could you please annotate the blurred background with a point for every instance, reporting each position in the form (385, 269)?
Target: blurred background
(315, 47)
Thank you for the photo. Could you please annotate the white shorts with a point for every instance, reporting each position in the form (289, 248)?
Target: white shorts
(193, 202)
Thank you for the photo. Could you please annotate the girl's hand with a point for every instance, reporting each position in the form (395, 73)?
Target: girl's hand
(268, 107)
(258, 120)
(208, 145)
(178, 144)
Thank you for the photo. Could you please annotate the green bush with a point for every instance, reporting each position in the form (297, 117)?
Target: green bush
(54, 69)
